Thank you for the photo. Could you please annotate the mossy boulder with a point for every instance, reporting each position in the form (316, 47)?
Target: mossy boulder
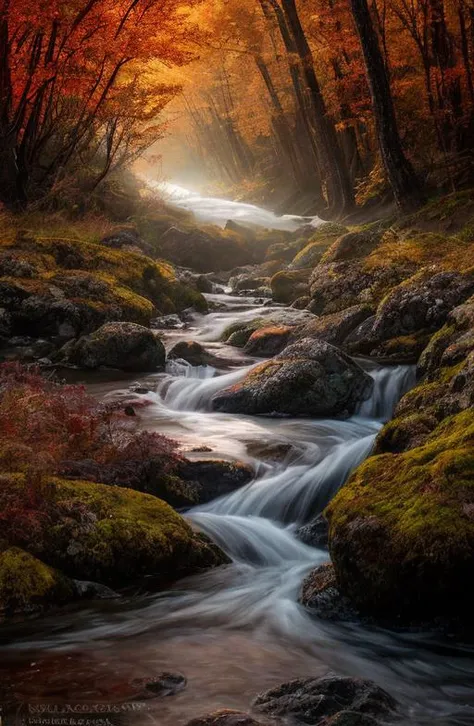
(423, 408)
(125, 346)
(352, 246)
(317, 246)
(267, 342)
(407, 317)
(27, 585)
(285, 251)
(308, 378)
(238, 333)
(421, 303)
(402, 528)
(335, 286)
(309, 256)
(108, 534)
(194, 354)
(68, 287)
(289, 285)
(452, 343)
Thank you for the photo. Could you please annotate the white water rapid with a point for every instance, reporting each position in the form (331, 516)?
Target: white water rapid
(239, 629)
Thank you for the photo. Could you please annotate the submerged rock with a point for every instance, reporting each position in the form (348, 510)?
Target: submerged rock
(320, 593)
(308, 378)
(329, 701)
(125, 346)
(212, 478)
(165, 684)
(225, 717)
(194, 354)
(168, 322)
(314, 533)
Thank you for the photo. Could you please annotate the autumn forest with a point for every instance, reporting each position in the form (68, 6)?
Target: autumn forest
(346, 101)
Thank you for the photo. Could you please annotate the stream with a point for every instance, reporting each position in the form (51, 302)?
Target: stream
(239, 629)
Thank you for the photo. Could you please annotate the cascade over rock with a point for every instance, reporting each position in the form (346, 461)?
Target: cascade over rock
(309, 377)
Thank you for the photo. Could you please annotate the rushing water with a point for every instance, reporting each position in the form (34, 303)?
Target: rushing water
(218, 211)
(239, 629)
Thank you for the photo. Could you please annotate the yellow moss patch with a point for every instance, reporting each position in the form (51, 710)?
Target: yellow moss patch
(27, 583)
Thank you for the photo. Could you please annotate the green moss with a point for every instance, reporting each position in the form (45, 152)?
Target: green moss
(132, 533)
(239, 338)
(238, 333)
(109, 534)
(110, 284)
(421, 249)
(329, 232)
(28, 584)
(403, 432)
(418, 511)
(309, 255)
(287, 286)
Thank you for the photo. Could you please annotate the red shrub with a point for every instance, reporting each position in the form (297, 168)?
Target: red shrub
(48, 427)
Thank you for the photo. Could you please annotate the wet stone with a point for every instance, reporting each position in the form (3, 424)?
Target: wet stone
(165, 684)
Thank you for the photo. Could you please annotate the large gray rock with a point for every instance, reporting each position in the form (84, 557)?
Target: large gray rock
(336, 286)
(452, 343)
(308, 378)
(421, 304)
(409, 314)
(334, 328)
(328, 701)
(126, 346)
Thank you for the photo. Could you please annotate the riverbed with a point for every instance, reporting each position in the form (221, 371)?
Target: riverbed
(239, 629)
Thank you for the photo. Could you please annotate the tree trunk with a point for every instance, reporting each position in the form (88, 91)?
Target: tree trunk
(339, 186)
(280, 124)
(313, 162)
(403, 180)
